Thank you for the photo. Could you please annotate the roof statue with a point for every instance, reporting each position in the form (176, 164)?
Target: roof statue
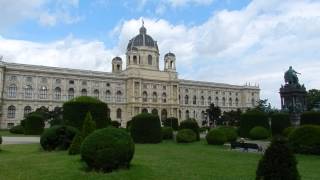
(290, 76)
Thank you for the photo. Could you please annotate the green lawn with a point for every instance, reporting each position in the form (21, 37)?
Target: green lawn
(167, 160)
(7, 133)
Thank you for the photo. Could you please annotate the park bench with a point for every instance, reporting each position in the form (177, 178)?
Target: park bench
(246, 146)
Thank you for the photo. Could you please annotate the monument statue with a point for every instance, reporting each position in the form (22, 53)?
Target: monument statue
(291, 77)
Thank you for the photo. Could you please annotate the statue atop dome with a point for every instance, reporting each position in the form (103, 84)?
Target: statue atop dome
(290, 76)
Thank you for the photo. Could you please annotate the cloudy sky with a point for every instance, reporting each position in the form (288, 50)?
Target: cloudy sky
(228, 41)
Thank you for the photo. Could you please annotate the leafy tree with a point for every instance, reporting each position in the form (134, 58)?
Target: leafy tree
(232, 118)
(313, 97)
(214, 113)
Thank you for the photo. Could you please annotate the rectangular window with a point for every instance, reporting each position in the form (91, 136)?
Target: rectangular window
(71, 82)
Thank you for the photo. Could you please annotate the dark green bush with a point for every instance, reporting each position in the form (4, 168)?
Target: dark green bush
(57, 138)
(278, 162)
(216, 137)
(88, 127)
(191, 124)
(287, 131)
(167, 133)
(305, 139)
(250, 120)
(186, 136)
(146, 128)
(279, 121)
(0, 139)
(107, 149)
(115, 124)
(230, 132)
(34, 124)
(18, 129)
(310, 117)
(171, 122)
(75, 110)
(259, 132)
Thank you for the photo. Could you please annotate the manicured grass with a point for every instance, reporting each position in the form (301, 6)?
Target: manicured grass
(8, 134)
(167, 160)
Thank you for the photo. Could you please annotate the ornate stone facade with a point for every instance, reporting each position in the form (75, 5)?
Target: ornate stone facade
(142, 86)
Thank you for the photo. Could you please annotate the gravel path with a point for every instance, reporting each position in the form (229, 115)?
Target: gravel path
(20, 140)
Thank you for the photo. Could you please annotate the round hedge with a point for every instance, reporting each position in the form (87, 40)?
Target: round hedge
(146, 128)
(306, 139)
(167, 133)
(216, 137)
(34, 124)
(191, 124)
(259, 132)
(57, 137)
(171, 122)
(186, 136)
(107, 149)
(18, 129)
(287, 131)
(250, 120)
(279, 121)
(230, 132)
(75, 110)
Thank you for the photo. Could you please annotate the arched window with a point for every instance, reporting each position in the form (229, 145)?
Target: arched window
(12, 91)
(11, 112)
(154, 112)
(253, 102)
(164, 114)
(118, 96)
(57, 93)
(217, 101)
(150, 60)
(209, 100)
(203, 117)
(108, 95)
(202, 100)
(134, 59)
(70, 93)
(96, 93)
(144, 96)
(154, 97)
(186, 99)
(187, 114)
(144, 110)
(237, 102)
(84, 92)
(26, 110)
(179, 114)
(194, 99)
(43, 92)
(164, 97)
(230, 102)
(223, 101)
(28, 92)
(119, 115)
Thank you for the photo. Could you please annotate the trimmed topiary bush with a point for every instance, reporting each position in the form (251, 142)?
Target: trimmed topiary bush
(216, 137)
(191, 124)
(57, 138)
(107, 149)
(171, 122)
(34, 124)
(252, 119)
(259, 132)
(287, 131)
(279, 121)
(186, 136)
(278, 162)
(310, 117)
(230, 132)
(18, 129)
(146, 128)
(75, 110)
(76, 144)
(305, 139)
(115, 124)
(167, 133)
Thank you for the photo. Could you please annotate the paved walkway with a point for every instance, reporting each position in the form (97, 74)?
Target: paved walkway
(20, 140)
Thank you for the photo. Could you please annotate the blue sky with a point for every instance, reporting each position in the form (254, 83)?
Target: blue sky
(229, 41)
